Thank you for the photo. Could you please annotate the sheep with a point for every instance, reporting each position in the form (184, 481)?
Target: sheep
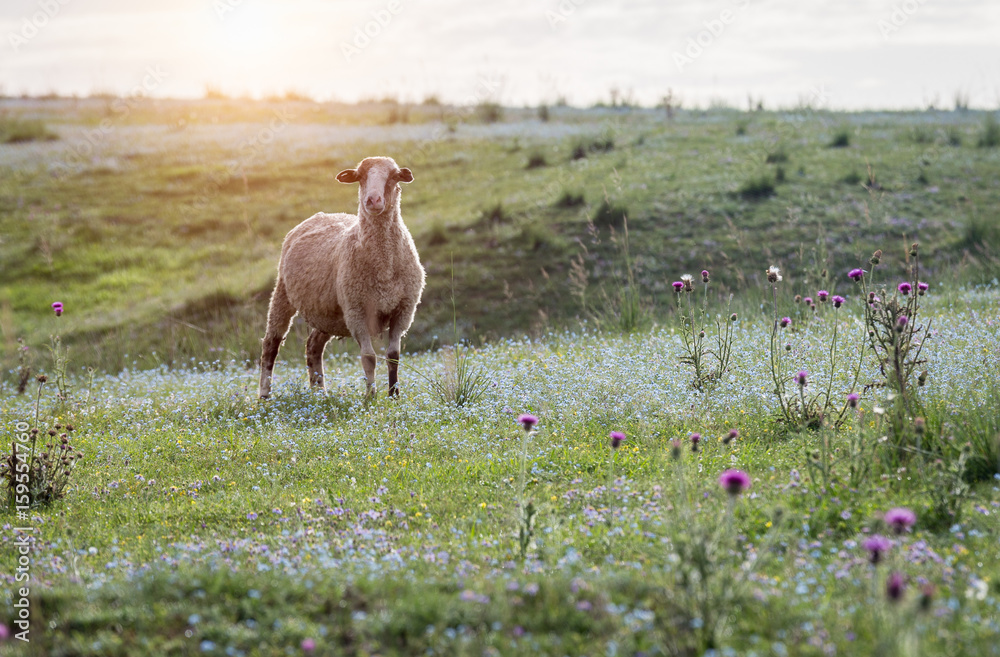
(349, 275)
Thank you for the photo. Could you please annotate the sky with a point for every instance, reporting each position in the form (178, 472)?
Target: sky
(840, 54)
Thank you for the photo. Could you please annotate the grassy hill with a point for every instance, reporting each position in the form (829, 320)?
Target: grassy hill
(158, 223)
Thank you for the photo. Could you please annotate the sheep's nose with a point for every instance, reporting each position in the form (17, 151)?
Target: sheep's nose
(374, 202)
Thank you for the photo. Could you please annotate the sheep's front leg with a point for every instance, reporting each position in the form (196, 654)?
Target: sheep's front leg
(392, 356)
(367, 360)
(315, 345)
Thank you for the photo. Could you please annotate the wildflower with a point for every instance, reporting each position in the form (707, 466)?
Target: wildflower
(822, 295)
(900, 519)
(731, 436)
(57, 307)
(695, 439)
(856, 274)
(733, 317)
(838, 301)
(41, 378)
(788, 346)
(527, 421)
(616, 439)
(808, 301)
(798, 298)
(251, 516)
(308, 645)
(785, 321)
(894, 587)
(922, 379)
(919, 425)
(913, 249)
(688, 281)
(901, 323)
(801, 378)
(877, 546)
(904, 288)
(773, 274)
(734, 481)
(852, 399)
(675, 449)
(922, 288)
(704, 275)
(678, 286)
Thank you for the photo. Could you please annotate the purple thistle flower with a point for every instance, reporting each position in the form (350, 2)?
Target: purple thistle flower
(527, 421)
(877, 546)
(734, 481)
(616, 439)
(894, 587)
(808, 301)
(731, 436)
(785, 321)
(822, 295)
(900, 519)
(852, 399)
(695, 439)
(901, 323)
(904, 288)
(856, 274)
(57, 308)
(308, 645)
(922, 288)
(704, 275)
(678, 286)
(802, 378)
(838, 301)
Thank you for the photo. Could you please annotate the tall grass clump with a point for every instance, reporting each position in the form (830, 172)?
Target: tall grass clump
(17, 131)
(990, 135)
(757, 188)
(841, 139)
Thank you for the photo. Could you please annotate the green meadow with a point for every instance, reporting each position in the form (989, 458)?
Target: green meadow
(825, 485)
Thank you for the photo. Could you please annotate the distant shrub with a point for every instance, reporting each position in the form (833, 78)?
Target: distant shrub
(17, 131)
(852, 178)
(496, 214)
(777, 156)
(569, 200)
(537, 160)
(990, 136)
(841, 139)
(779, 175)
(982, 233)
(741, 128)
(922, 135)
(609, 215)
(489, 111)
(543, 112)
(603, 144)
(757, 188)
(922, 178)
(954, 136)
(431, 101)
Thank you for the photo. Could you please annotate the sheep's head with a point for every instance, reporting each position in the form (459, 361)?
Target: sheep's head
(379, 178)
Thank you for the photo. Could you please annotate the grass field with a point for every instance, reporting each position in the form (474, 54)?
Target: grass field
(200, 520)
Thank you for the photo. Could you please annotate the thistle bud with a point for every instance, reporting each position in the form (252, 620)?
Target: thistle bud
(922, 379)
(732, 318)
(913, 250)
(876, 257)
(919, 426)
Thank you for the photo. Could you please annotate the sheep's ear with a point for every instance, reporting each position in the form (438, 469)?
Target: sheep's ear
(348, 176)
(405, 175)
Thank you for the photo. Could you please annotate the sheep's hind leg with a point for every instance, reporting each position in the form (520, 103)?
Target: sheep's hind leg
(279, 317)
(315, 345)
